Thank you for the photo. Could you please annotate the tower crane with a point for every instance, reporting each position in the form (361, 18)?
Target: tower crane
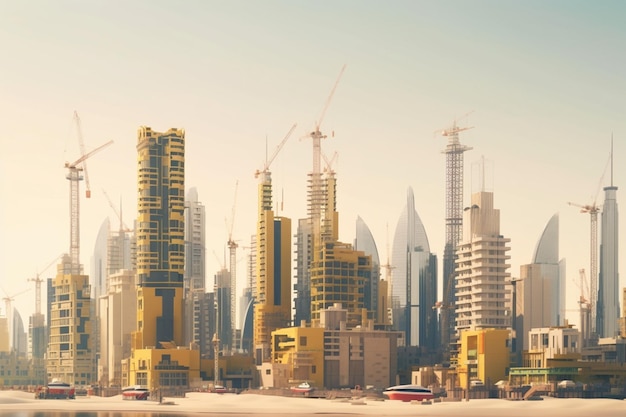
(81, 143)
(74, 176)
(232, 247)
(37, 280)
(265, 172)
(316, 196)
(584, 308)
(593, 210)
(123, 226)
(9, 312)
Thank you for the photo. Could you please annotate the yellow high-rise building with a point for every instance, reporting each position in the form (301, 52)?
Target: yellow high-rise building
(273, 266)
(158, 358)
(70, 355)
(338, 275)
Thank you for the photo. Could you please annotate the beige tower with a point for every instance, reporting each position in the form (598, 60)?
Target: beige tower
(482, 268)
(70, 349)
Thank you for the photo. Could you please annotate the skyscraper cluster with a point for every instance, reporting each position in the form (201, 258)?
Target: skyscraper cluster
(145, 316)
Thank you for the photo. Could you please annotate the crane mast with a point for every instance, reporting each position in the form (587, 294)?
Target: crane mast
(316, 193)
(37, 280)
(74, 176)
(593, 210)
(232, 246)
(454, 223)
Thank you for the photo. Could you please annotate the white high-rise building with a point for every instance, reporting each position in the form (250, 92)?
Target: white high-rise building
(607, 316)
(482, 268)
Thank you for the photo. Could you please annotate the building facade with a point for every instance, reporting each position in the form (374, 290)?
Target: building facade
(338, 275)
(484, 355)
(71, 355)
(272, 309)
(159, 358)
(482, 268)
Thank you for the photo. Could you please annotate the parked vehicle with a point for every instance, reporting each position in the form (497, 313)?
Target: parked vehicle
(56, 389)
(566, 383)
(303, 388)
(135, 392)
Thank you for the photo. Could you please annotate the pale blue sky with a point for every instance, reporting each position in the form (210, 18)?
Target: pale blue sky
(545, 82)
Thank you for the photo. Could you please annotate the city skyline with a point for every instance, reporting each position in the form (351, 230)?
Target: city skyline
(235, 76)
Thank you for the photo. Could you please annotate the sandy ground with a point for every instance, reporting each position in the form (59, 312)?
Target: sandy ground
(16, 403)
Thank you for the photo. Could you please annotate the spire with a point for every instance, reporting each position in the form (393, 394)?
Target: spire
(611, 159)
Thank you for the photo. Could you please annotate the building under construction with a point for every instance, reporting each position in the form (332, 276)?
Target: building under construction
(454, 226)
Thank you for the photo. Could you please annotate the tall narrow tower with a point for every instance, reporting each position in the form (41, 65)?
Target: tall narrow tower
(482, 268)
(195, 254)
(160, 237)
(273, 266)
(454, 223)
(607, 315)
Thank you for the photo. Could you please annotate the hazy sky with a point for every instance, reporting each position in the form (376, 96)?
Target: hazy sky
(544, 82)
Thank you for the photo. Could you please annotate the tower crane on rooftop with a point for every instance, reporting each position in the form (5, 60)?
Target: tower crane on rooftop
(74, 176)
(118, 213)
(37, 280)
(265, 172)
(593, 209)
(316, 199)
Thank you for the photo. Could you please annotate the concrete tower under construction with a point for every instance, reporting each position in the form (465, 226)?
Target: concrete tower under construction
(454, 225)
(273, 271)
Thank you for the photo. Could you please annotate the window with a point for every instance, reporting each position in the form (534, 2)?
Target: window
(302, 340)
